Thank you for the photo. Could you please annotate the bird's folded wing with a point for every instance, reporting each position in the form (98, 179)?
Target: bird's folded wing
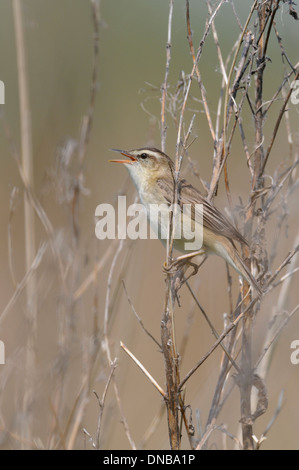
(212, 218)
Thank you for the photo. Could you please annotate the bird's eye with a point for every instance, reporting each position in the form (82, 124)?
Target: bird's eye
(144, 156)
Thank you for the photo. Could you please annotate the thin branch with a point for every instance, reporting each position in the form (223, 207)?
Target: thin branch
(212, 349)
(96, 269)
(277, 124)
(88, 118)
(198, 76)
(144, 370)
(195, 63)
(227, 91)
(106, 344)
(212, 327)
(138, 317)
(101, 402)
(29, 219)
(9, 233)
(28, 275)
(165, 82)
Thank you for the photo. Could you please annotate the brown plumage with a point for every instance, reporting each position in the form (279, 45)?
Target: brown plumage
(153, 173)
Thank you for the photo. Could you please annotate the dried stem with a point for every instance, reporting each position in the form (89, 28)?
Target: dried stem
(29, 219)
(165, 83)
(107, 342)
(144, 370)
(102, 403)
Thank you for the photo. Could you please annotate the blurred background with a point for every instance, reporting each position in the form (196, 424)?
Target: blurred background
(59, 41)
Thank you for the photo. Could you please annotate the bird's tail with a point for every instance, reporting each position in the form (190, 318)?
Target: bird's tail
(244, 271)
(232, 256)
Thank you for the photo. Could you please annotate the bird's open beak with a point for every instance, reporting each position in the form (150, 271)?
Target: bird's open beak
(125, 154)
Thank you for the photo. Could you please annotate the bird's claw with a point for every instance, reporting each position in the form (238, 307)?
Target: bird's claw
(177, 264)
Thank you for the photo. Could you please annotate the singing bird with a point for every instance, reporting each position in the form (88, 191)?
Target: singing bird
(153, 173)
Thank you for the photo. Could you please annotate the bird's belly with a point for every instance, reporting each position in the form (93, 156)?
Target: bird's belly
(187, 235)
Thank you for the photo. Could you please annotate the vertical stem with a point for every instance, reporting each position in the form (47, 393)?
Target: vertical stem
(246, 377)
(245, 383)
(26, 141)
(171, 366)
(167, 320)
(259, 152)
(27, 166)
(164, 85)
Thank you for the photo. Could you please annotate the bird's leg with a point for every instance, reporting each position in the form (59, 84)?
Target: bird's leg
(185, 259)
(182, 263)
(177, 271)
(195, 267)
